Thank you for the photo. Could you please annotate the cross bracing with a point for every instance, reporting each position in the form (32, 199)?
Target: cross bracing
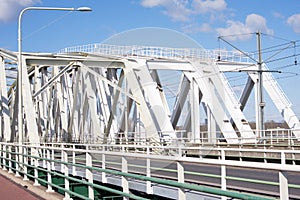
(111, 94)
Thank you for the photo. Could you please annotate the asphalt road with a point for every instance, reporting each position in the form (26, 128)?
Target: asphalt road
(166, 169)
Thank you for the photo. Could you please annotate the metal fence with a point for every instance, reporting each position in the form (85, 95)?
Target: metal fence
(158, 52)
(90, 164)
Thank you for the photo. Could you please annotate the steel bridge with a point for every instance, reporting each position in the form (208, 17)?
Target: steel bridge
(126, 120)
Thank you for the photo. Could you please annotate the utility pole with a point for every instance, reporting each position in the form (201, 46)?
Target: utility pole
(260, 100)
(260, 104)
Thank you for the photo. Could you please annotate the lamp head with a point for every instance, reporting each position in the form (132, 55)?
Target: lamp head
(84, 9)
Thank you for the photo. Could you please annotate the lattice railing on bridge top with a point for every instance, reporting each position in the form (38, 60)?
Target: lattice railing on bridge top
(158, 52)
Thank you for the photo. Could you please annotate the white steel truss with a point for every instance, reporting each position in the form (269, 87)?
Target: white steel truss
(110, 94)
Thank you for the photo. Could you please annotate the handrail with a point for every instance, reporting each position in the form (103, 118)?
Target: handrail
(134, 176)
(270, 137)
(183, 148)
(158, 52)
(9, 152)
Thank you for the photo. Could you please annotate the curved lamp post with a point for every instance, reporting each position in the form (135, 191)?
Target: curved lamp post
(20, 104)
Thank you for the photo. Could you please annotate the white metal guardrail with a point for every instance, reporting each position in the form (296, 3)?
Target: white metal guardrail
(158, 52)
(270, 137)
(119, 161)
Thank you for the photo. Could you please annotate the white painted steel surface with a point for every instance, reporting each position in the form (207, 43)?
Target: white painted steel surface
(101, 93)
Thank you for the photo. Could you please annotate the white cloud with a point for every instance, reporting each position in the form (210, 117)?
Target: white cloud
(239, 31)
(294, 22)
(234, 28)
(176, 9)
(196, 28)
(205, 6)
(182, 10)
(278, 15)
(153, 3)
(205, 27)
(9, 9)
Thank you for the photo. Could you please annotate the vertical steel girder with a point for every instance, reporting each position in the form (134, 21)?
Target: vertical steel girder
(246, 92)
(151, 107)
(221, 101)
(4, 107)
(232, 105)
(28, 106)
(273, 89)
(180, 100)
(279, 99)
(156, 79)
(111, 113)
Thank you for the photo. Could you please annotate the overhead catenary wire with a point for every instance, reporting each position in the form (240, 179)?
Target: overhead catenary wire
(244, 53)
(291, 74)
(282, 58)
(263, 50)
(288, 44)
(276, 50)
(47, 25)
(286, 66)
(254, 53)
(277, 37)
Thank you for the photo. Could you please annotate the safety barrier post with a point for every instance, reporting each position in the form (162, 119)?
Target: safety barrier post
(52, 157)
(149, 188)
(180, 176)
(30, 157)
(89, 172)
(103, 174)
(283, 181)
(74, 161)
(3, 161)
(277, 136)
(289, 138)
(9, 160)
(282, 156)
(125, 184)
(294, 158)
(271, 138)
(44, 156)
(265, 157)
(18, 160)
(223, 173)
(4, 157)
(36, 165)
(62, 166)
(49, 175)
(283, 186)
(25, 152)
(65, 170)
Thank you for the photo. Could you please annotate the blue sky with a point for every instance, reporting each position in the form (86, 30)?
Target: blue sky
(202, 20)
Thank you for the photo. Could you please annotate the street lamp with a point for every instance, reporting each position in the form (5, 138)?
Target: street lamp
(20, 104)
